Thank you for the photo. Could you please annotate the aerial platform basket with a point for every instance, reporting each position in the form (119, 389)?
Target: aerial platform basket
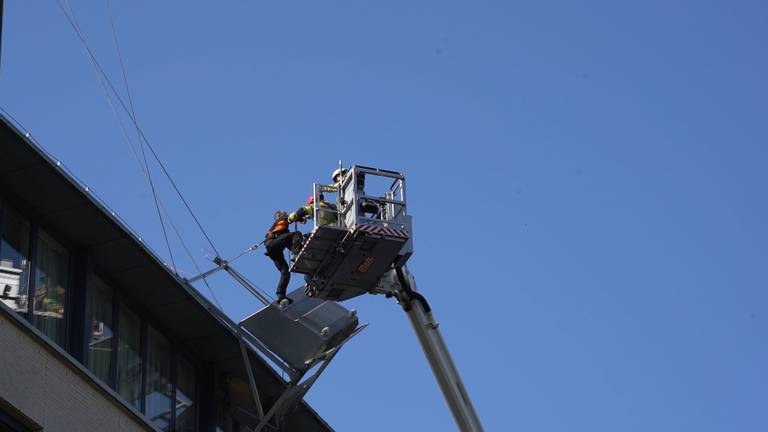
(342, 264)
(371, 234)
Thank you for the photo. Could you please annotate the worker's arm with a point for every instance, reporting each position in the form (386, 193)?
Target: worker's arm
(302, 213)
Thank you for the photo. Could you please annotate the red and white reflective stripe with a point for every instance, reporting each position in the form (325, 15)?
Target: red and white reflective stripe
(395, 232)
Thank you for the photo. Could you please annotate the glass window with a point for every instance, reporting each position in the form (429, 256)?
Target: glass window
(100, 344)
(129, 357)
(186, 408)
(158, 394)
(14, 261)
(51, 283)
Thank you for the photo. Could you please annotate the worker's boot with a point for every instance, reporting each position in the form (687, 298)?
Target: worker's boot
(283, 300)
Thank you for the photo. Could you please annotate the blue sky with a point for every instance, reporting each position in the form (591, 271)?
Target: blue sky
(587, 182)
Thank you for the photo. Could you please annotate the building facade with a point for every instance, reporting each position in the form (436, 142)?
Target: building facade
(96, 333)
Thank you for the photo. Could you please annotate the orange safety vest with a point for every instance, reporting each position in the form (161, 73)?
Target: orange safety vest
(277, 227)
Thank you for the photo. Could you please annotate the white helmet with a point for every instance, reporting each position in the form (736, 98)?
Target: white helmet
(339, 171)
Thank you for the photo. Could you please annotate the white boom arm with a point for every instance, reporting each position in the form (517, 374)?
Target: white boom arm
(402, 284)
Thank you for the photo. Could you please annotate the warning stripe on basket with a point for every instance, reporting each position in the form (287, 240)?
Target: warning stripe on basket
(395, 232)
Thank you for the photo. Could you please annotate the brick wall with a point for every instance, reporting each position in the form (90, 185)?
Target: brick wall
(47, 387)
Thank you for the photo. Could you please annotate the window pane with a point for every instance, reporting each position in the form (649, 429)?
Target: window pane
(129, 358)
(51, 282)
(158, 396)
(100, 345)
(186, 408)
(14, 261)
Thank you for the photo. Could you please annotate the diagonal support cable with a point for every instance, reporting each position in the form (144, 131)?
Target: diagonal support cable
(135, 123)
(73, 21)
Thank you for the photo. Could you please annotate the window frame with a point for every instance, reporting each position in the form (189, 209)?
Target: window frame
(66, 333)
(121, 297)
(78, 310)
(177, 357)
(114, 306)
(35, 227)
(27, 277)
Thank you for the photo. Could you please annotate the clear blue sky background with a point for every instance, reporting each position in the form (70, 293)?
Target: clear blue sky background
(587, 180)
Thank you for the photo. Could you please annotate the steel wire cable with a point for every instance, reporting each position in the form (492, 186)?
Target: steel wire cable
(73, 21)
(143, 137)
(141, 145)
(144, 167)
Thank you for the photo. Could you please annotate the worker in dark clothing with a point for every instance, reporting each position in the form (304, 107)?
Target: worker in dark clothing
(278, 238)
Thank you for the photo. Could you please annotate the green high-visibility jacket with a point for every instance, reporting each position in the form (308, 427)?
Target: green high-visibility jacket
(326, 213)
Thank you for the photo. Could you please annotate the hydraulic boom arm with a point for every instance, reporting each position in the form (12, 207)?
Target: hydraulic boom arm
(401, 283)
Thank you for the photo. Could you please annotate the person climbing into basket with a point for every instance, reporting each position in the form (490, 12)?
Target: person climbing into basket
(278, 238)
(326, 212)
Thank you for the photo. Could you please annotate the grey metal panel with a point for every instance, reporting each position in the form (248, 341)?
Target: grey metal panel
(320, 243)
(357, 269)
(299, 333)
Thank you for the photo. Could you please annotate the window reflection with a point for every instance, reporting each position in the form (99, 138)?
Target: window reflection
(129, 358)
(51, 282)
(186, 409)
(14, 261)
(158, 394)
(100, 344)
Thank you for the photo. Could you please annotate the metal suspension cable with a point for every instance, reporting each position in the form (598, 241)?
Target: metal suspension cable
(144, 167)
(199, 271)
(141, 145)
(170, 179)
(120, 57)
(102, 77)
(138, 129)
(173, 226)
